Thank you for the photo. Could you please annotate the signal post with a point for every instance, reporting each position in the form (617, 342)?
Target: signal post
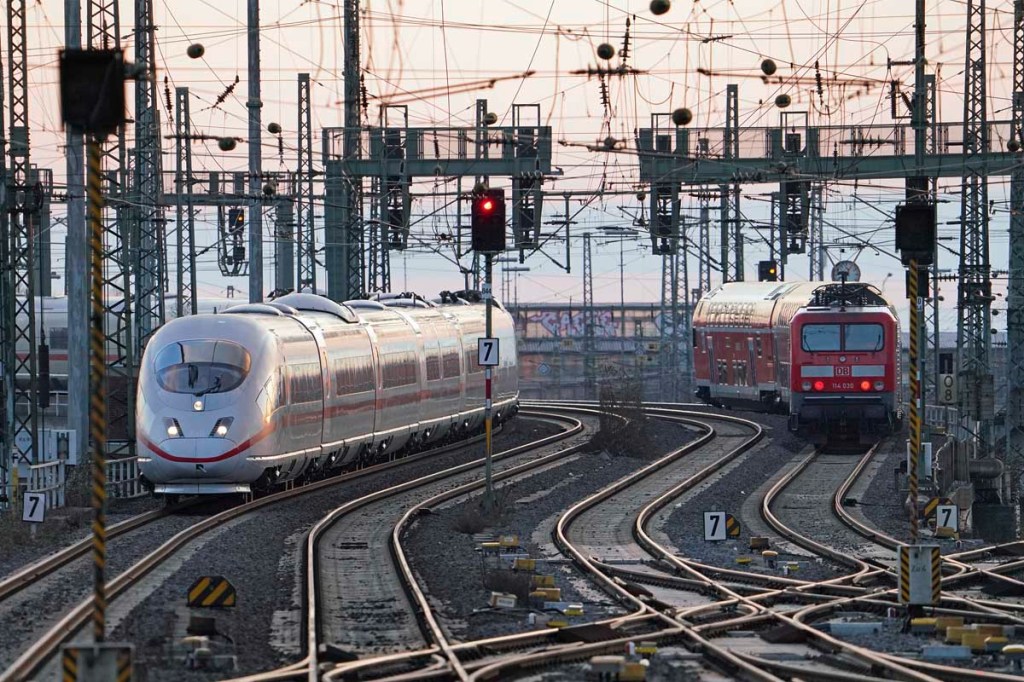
(488, 237)
(93, 104)
(915, 240)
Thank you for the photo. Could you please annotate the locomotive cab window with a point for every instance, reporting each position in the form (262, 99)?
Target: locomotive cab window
(201, 366)
(820, 338)
(863, 337)
(823, 338)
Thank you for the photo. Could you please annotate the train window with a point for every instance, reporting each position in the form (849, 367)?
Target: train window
(433, 365)
(451, 363)
(399, 369)
(863, 337)
(759, 345)
(306, 382)
(352, 375)
(58, 338)
(471, 362)
(820, 337)
(201, 366)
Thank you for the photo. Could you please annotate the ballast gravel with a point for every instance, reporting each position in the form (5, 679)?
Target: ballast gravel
(451, 567)
(62, 527)
(27, 615)
(261, 555)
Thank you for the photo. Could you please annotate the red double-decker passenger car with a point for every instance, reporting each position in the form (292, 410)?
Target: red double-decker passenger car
(827, 353)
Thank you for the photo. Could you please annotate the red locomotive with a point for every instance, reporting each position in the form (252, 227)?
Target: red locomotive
(825, 352)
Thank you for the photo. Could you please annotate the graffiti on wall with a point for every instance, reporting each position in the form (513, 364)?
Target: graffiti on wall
(573, 323)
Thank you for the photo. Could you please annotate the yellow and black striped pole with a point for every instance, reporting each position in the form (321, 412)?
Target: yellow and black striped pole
(97, 392)
(915, 398)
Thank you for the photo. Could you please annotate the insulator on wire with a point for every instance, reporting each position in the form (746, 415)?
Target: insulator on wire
(227, 93)
(168, 100)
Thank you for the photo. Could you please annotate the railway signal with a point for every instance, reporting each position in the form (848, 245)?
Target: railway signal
(767, 271)
(236, 220)
(915, 232)
(488, 221)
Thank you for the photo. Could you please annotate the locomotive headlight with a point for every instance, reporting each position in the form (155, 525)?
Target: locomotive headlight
(879, 385)
(198, 405)
(174, 429)
(806, 386)
(819, 385)
(865, 385)
(220, 429)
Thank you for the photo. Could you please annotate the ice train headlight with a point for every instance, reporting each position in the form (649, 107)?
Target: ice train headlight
(220, 429)
(174, 429)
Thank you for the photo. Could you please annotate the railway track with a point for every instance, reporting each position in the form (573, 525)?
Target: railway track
(608, 539)
(347, 580)
(65, 625)
(760, 616)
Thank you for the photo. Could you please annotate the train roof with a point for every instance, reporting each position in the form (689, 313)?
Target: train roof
(765, 304)
(811, 293)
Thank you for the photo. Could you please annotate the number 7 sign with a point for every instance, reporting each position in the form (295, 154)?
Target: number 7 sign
(714, 526)
(35, 507)
(947, 516)
(487, 352)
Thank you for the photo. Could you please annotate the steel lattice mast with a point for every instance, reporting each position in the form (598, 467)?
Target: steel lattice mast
(22, 207)
(148, 240)
(304, 191)
(729, 194)
(351, 195)
(103, 31)
(185, 216)
(1015, 289)
(7, 329)
(588, 319)
(975, 293)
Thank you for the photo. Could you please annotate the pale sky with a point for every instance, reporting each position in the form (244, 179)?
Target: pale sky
(684, 58)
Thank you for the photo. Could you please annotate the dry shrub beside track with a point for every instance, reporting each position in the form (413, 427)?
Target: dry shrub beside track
(624, 426)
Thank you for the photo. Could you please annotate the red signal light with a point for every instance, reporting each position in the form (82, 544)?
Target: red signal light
(865, 385)
(487, 206)
(819, 385)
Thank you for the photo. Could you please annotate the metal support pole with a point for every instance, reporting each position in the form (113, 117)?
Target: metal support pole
(488, 452)
(915, 397)
(77, 273)
(254, 105)
(98, 404)
(622, 304)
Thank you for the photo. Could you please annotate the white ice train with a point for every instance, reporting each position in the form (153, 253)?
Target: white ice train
(265, 393)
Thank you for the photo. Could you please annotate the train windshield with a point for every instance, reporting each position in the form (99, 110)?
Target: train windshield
(821, 338)
(863, 337)
(824, 338)
(201, 366)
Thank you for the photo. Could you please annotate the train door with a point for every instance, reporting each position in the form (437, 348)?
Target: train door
(709, 342)
(752, 375)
